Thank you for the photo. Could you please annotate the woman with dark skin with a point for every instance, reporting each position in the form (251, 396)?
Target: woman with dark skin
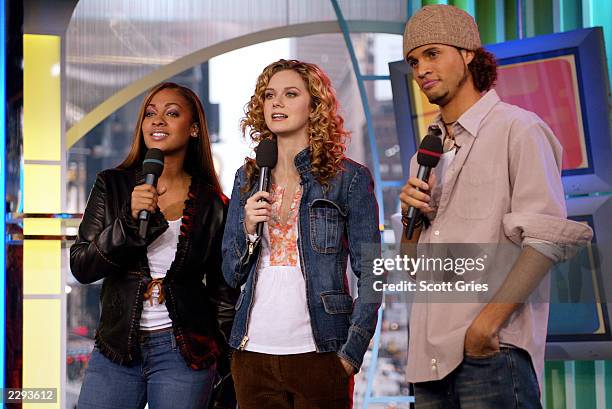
(166, 310)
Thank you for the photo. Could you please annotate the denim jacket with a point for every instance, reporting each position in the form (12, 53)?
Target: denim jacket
(334, 223)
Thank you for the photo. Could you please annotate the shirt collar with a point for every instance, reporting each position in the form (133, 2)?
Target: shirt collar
(302, 161)
(471, 119)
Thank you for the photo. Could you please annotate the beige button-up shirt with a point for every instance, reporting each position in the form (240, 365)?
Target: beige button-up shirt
(503, 186)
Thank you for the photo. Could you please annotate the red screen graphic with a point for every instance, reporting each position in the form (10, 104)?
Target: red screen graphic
(549, 88)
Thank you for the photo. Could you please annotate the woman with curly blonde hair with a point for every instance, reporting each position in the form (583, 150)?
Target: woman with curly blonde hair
(299, 335)
(326, 131)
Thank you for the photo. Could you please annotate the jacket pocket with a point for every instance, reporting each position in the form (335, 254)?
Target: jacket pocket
(337, 302)
(327, 222)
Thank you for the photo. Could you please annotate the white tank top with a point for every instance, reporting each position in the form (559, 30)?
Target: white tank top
(161, 253)
(280, 321)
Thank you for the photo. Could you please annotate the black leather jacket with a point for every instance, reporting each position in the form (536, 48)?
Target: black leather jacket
(199, 302)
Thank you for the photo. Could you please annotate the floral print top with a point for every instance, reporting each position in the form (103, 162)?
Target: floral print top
(283, 238)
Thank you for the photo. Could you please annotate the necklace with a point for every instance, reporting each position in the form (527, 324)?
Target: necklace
(449, 139)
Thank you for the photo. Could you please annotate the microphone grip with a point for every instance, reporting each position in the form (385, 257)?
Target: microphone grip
(410, 231)
(151, 179)
(142, 229)
(143, 216)
(422, 174)
(259, 229)
(264, 184)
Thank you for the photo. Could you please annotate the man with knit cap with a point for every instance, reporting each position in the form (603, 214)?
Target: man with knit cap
(498, 181)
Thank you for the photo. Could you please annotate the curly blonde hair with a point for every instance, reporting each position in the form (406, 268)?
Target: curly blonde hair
(326, 126)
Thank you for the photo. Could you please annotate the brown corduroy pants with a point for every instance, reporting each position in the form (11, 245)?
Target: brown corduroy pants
(301, 381)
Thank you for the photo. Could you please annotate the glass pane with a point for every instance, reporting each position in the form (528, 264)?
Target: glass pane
(375, 50)
(113, 43)
(390, 378)
(391, 205)
(383, 121)
(386, 48)
(232, 82)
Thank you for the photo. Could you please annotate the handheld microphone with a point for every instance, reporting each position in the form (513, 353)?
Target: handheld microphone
(266, 156)
(428, 156)
(152, 167)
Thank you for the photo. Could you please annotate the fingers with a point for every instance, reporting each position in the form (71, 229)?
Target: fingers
(161, 190)
(254, 206)
(144, 188)
(259, 201)
(418, 183)
(144, 197)
(259, 196)
(254, 220)
(139, 203)
(257, 209)
(479, 344)
(264, 210)
(414, 193)
(407, 201)
(145, 194)
(260, 212)
(258, 205)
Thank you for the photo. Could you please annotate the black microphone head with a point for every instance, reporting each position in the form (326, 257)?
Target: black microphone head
(266, 153)
(153, 162)
(431, 149)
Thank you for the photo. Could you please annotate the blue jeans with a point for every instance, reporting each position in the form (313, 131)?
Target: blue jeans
(160, 377)
(505, 380)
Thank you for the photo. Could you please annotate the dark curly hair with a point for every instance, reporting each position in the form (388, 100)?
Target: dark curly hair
(484, 69)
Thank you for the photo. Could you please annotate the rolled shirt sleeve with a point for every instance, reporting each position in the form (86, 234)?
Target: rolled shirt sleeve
(538, 216)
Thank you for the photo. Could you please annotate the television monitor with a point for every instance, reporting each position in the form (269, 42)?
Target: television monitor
(579, 325)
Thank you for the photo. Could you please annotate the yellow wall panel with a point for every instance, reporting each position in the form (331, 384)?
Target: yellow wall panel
(42, 226)
(41, 98)
(42, 188)
(42, 266)
(42, 347)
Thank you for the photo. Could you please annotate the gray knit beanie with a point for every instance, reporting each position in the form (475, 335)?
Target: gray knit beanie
(441, 24)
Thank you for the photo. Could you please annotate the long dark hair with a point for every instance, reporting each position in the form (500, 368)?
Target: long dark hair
(198, 159)
(484, 69)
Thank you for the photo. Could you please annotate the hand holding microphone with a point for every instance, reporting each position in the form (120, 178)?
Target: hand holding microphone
(257, 209)
(413, 197)
(145, 196)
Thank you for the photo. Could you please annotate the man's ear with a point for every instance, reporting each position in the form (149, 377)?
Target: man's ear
(467, 55)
